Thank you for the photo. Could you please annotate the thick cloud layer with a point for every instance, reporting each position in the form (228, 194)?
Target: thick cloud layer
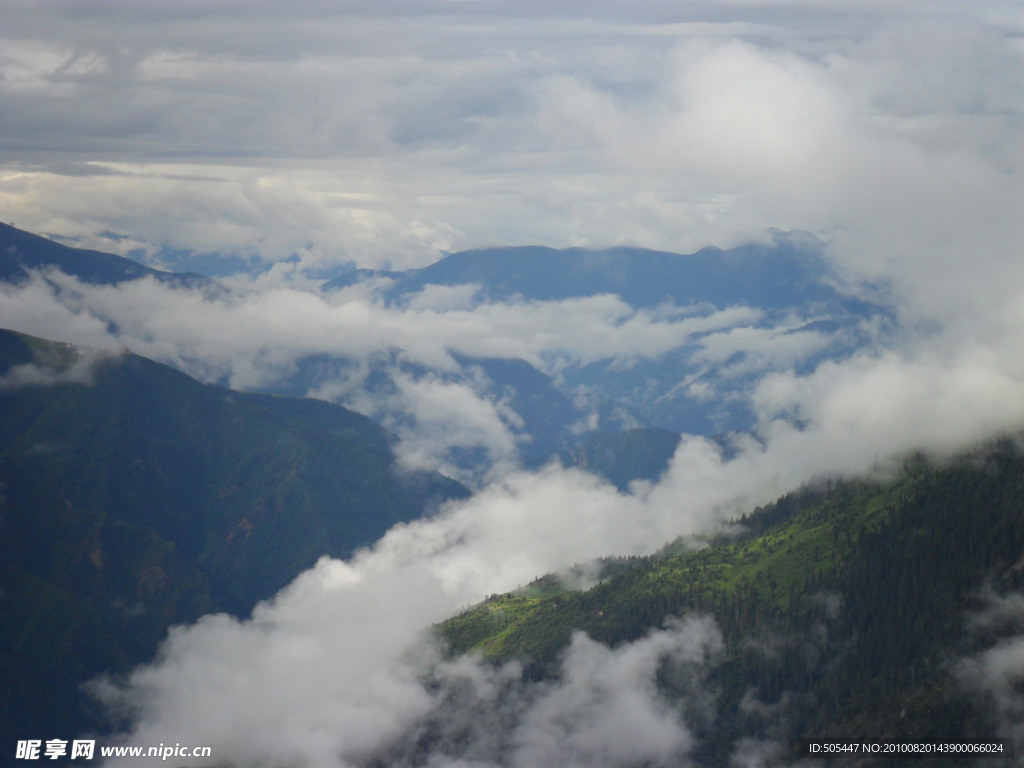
(382, 134)
(332, 671)
(605, 708)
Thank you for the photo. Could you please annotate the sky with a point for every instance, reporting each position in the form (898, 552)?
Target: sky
(310, 137)
(383, 133)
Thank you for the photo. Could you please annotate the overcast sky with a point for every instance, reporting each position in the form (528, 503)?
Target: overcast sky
(381, 132)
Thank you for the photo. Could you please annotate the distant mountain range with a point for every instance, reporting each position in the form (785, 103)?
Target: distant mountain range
(794, 316)
(692, 388)
(788, 271)
(133, 497)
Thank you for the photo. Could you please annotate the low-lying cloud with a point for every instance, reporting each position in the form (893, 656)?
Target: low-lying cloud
(33, 374)
(995, 673)
(605, 707)
(335, 669)
(257, 336)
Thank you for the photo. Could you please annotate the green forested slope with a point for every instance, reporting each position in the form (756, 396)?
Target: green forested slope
(145, 498)
(847, 604)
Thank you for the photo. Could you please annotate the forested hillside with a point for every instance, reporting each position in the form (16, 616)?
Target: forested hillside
(844, 608)
(134, 498)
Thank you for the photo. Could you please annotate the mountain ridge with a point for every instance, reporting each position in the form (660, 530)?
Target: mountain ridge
(21, 252)
(791, 261)
(135, 497)
(699, 380)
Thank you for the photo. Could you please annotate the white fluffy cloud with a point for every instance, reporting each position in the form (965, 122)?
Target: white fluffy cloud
(606, 709)
(258, 335)
(33, 374)
(330, 669)
(237, 330)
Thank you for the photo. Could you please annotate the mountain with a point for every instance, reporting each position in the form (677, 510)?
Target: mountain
(134, 498)
(785, 272)
(722, 319)
(550, 415)
(846, 609)
(796, 317)
(642, 453)
(22, 251)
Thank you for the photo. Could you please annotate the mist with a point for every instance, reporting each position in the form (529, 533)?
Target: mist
(253, 337)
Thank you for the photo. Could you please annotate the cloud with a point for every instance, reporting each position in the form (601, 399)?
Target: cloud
(279, 690)
(759, 349)
(155, 319)
(34, 375)
(284, 671)
(887, 401)
(323, 673)
(606, 709)
(336, 662)
(331, 671)
(32, 308)
(995, 673)
(263, 331)
(448, 416)
(601, 707)
(381, 135)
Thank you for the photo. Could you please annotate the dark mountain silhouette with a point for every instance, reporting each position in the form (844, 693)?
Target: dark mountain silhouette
(22, 251)
(133, 498)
